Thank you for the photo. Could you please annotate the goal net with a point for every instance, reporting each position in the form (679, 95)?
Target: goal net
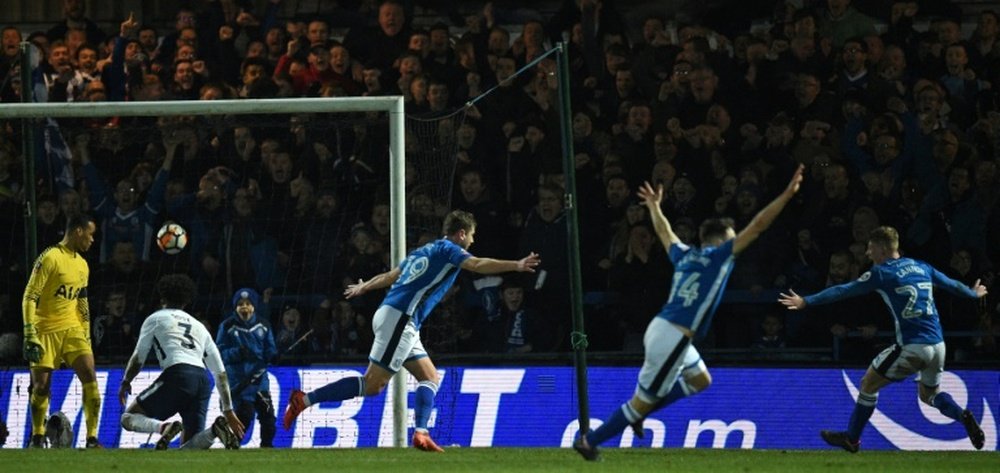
(293, 197)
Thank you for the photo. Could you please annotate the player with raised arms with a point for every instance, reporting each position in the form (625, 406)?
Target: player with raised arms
(673, 368)
(907, 287)
(417, 284)
(184, 349)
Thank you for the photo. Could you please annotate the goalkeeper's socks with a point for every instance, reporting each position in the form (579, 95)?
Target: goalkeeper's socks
(619, 420)
(426, 391)
(862, 412)
(944, 403)
(39, 410)
(345, 388)
(91, 407)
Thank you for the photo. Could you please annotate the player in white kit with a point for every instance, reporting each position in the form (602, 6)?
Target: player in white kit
(184, 349)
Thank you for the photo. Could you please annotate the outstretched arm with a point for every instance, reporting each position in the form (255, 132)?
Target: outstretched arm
(652, 199)
(792, 300)
(980, 289)
(766, 216)
(863, 285)
(976, 291)
(378, 282)
(493, 266)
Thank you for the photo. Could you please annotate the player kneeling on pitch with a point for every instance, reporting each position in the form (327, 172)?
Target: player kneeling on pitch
(184, 349)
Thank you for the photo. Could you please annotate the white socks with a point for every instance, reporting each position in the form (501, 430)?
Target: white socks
(140, 423)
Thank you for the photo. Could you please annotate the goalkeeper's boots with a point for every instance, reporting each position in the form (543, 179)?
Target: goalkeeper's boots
(839, 439)
(296, 404)
(168, 432)
(37, 441)
(221, 430)
(588, 452)
(422, 441)
(972, 428)
(92, 442)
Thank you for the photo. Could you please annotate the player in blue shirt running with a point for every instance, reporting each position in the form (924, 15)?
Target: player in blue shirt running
(906, 285)
(672, 368)
(417, 285)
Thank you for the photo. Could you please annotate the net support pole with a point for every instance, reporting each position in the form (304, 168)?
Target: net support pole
(397, 249)
(28, 151)
(579, 336)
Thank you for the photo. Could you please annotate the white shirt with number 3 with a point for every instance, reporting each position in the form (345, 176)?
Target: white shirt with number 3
(177, 337)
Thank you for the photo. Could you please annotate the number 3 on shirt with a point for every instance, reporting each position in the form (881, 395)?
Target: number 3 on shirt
(189, 344)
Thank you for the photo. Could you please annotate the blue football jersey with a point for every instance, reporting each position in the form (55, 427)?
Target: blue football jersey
(426, 275)
(907, 287)
(700, 276)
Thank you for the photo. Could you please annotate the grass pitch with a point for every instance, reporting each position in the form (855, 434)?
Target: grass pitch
(481, 460)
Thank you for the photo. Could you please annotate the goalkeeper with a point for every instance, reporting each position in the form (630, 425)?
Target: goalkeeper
(57, 325)
(246, 343)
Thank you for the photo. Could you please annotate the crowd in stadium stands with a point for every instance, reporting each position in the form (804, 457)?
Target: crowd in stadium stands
(892, 108)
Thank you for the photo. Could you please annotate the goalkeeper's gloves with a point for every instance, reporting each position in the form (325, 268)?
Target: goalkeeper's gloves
(33, 350)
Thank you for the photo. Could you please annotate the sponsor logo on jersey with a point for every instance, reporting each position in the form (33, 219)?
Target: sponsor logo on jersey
(70, 292)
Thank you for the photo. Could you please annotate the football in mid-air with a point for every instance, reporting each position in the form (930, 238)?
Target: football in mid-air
(172, 238)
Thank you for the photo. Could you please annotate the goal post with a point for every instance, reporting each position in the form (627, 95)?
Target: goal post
(393, 106)
(434, 136)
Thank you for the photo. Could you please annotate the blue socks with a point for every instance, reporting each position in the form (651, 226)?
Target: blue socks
(349, 388)
(627, 415)
(866, 405)
(344, 388)
(944, 403)
(680, 391)
(424, 398)
(619, 420)
(862, 412)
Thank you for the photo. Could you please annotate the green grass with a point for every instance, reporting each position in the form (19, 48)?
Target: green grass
(482, 460)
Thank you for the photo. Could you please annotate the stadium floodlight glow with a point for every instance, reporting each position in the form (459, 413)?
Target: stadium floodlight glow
(392, 105)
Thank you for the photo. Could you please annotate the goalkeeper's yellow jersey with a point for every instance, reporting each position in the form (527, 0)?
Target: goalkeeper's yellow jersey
(58, 288)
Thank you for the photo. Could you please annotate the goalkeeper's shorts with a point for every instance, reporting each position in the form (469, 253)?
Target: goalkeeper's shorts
(62, 345)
